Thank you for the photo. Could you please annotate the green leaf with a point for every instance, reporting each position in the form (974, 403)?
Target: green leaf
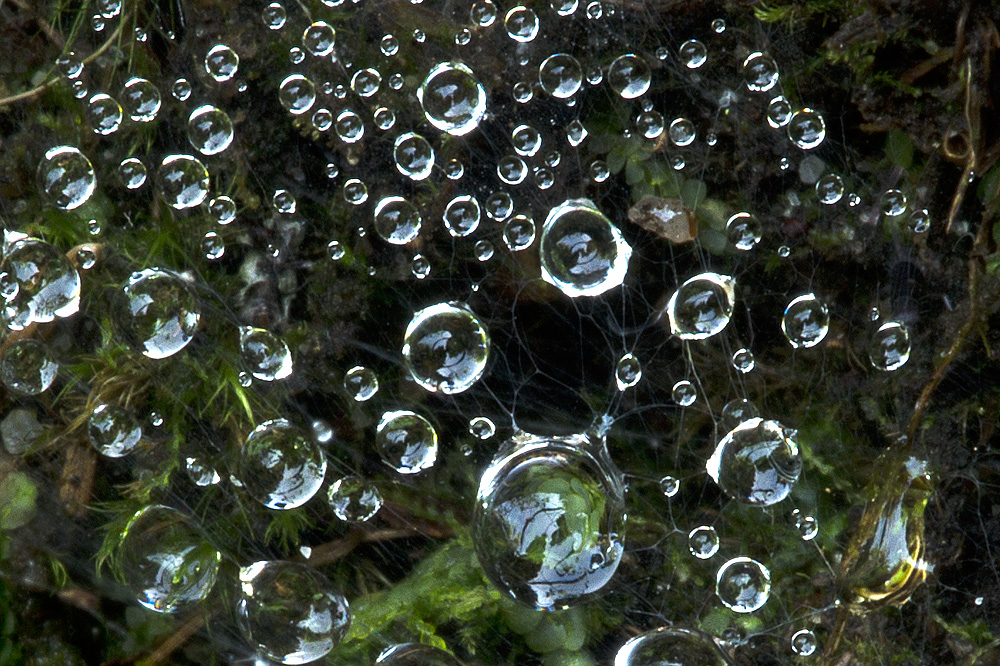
(899, 148)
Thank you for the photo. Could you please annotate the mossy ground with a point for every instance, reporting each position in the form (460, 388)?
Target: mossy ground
(910, 93)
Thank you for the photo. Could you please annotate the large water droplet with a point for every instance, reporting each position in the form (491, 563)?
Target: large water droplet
(354, 500)
(582, 253)
(743, 231)
(280, 465)
(743, 584)
(692, 53)
(756, 463)
(446, 348)
(462, 215)
(560, 75)
(760, 72)
(113, 430)
(66, 177)
(164, 311)
(166, 561)
(406, 441)
(806, 321)
(703, 542)
(414, 156)
(290, 612)
(806, 129)
(397, 221)
(141, 100)
(209, 130)
(132, 172)
(452, 98)
(221, 62)
(104, 114)
(297, 94)
(671, 646)
(264, 355)
(629, 76)
(28, 367)
(361, 383)
(521, 24)
(319, 38)
(890, 349)
(183, 181)
(829, 189)
(702, 306)
(549, 524)
(38, 283)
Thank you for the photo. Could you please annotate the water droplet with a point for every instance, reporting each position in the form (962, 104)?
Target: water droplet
(743, 231)
(222, 209)
(213, 246)
(200, 472)
(93, 227)
(628, 372)
(70, 66)
(483, 13)
(806, 526)
(209, 130)
(292, 613)
(829, 188)
(453, 100)
(166, 561)
(779, 112)
(718, 26)
(670, 486)
(183, 181)
(560, 75)
(743, 585)
(319, 38)
(526, 140)
(482, 428)
(682, 132)
(86, 257)
(760, 72)
(890, 349)
(756, 463)
(66, 177)
(703, 542)
(599, 171)
(39, 283)
(406, 441)
(354, 500)
(420, 267)
(355, 191)
(650, 124)
(919, 221)
(274, 16)
(361, 383)
(28, 367)
(629, 76)
(164, 312)
(462, 215)
(397, 221)
(221, 63)
(736, 412)
(806, 129)
(806, 321)
(582, 253)
(594, 10)
(692, 53)
(454, 170)
(484, 250)
(283, 202)
(575, 133)
(671, 646)
(549, 521)
(784, 251)
(297, 94)
(414, 156)
(366, 82)
(104, 114)
(702, 306)
(804, 643)
(280, 465)
(512, 170)
(743, 360)
(499, 206)
(521, 24)
(181, 89)
(519, 233)
(446, 348)
(892, 203)
(684, 393)
(264, 355)
(113, 431)
(141, 100)
(335, 250)
(132, 172)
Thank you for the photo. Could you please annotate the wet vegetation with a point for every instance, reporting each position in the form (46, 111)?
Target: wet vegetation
(284, 283)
